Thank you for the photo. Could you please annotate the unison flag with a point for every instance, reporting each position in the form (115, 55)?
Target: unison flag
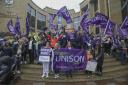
(109, 28)
(17, 26)
(124, 27)
(11, 27)
(65, 14)
(27, 26)
(85, 22)
(100, 19)
(52, 17)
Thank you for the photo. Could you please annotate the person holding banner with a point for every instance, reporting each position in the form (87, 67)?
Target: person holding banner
(69, 67)
(100, 60)
(56, 71)
(45, 56)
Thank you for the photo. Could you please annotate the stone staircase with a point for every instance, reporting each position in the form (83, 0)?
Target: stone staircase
(111, 69)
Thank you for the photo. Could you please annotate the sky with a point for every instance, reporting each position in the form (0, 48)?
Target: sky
(57, 4)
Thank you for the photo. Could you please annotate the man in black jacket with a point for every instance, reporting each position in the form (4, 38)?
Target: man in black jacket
(100, 60)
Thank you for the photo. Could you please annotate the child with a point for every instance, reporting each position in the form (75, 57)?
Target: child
(47, 52)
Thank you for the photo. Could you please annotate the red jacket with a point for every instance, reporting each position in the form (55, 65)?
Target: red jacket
(54, 40)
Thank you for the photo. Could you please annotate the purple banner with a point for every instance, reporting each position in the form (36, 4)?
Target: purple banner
(27, 26)
(69, 59)
(52, 17)
(65, 14)
(124, 27)
(85, 22)
(100, 19)
(17, 26)
(109, 28)
(11, 27)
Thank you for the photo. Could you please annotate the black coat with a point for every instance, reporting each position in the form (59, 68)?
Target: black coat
(100, 57)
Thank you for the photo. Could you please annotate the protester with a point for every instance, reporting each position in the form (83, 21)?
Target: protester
(31, 50)
(100, 60)
(46, 52)
(56, 71)
(54, 40)
(69, 67)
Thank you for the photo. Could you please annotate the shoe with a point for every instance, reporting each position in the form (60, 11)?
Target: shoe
(42, 76)
(25, 62)
(18, 72)
(46, 76)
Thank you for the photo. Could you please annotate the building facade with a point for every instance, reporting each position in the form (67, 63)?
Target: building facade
(116, 10)
(38, 18)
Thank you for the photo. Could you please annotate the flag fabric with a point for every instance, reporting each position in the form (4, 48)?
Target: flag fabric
(27, 26)
(124, 27)
(100, 19)
(86, 38)
(85, 22)
(52, 17)
(115, 41)
(65, 14)
(17, 26)
(11, 27)
(109, 28)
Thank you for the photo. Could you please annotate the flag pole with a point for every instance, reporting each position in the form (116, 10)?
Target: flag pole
(106, 27)
(123, 22)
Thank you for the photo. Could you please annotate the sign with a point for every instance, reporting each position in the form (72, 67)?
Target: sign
(44, 58)
(91, 66)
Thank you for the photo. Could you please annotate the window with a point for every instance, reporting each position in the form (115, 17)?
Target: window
(107, 4)
(95, 5)
(84, 9)
(59, 19)
(41, 21)
(124, 4)
(9, 2)
(97, 30)
(31, 12)
(76, 23)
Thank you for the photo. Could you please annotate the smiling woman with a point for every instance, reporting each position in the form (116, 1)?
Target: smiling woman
(71, 4)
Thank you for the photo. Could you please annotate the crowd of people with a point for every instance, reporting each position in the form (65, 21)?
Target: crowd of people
(27, 49)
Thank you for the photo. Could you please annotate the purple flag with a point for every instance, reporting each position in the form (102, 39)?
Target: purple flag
(11, 27)
(27, 26)
(109, 28)
(65, 14)
(115, 41)
(17, 26)
(100, 19)
(124, 27)
(52, 17)
(85, 22)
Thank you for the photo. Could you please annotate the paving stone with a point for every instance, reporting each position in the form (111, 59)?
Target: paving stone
(120, 79)
(112, 83)
(91, 83)
(38, 83)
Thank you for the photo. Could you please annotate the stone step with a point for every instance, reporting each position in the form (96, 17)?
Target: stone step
(115, 63)
(33, 66)
(114, 68)
(91, 78)
(39, 70)
(76, 77)
(107, 71)
(31, 78)
(109, 60)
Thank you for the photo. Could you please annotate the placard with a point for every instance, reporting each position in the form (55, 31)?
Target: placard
(44, 58)
(91, 66)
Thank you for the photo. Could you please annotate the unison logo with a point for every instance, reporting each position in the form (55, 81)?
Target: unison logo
(71, 59)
